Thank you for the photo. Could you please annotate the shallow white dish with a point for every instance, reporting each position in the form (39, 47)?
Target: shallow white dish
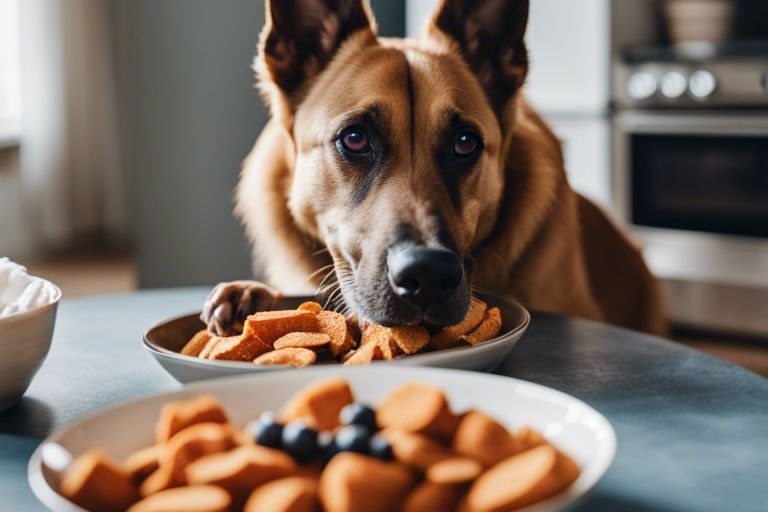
(165, 341)
(569, 423)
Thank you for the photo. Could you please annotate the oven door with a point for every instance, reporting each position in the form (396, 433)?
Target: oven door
(702, 173)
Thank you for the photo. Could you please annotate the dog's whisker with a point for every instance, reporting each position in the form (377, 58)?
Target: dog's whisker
(318, 271)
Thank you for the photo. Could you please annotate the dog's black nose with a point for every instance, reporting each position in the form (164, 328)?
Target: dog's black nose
(424, 276)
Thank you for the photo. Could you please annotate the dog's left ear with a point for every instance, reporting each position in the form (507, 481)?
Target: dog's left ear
(490, 35)
(301, 37)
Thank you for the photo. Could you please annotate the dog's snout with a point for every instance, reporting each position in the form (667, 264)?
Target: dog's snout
(422, 275)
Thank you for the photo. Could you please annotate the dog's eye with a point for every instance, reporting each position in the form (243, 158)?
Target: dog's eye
(466, 144)
(355, 140)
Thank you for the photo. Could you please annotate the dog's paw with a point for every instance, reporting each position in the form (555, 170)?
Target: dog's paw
(229, 304)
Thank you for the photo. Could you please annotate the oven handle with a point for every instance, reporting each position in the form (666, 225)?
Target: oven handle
(682, 123)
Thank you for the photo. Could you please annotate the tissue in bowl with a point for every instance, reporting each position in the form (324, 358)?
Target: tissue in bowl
(27, 315)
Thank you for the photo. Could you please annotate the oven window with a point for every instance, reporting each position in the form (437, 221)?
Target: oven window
(702, 183)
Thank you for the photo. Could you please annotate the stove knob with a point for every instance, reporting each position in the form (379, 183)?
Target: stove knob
(702, 84)
(673, 84)
(641, 86)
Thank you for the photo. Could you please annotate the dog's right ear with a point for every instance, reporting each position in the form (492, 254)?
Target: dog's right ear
(301, 37)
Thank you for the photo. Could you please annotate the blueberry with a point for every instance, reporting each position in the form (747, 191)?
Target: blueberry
(380, 448)
(353, 438)
(300, 441)
(327, 444)
(266, 431)
(359, 414)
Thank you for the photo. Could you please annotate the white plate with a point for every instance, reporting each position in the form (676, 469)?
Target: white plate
(570, 424)
(164, 341)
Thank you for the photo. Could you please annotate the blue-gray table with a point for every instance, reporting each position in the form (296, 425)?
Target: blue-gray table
(692, 430)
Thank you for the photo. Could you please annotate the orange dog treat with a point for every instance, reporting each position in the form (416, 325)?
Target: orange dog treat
(456, 470)
(516, 482)
(420, 408)
(311, 340)
(160, 480)
(527, 438)
(488, 328)
(293, 494)
(197, 343)
(290, 356)
(193, 443)
(382, 338)
(312, 307)
(209, 346)
(319, 403)
(451, 336)
(96, 483)
(416, 450)
(198, 498)
(177, 416)
(142, 463)
(353, 482)
(238, 348)
(364, 355)
(268, 326)
(484, 439)
(431, 497)
(241, 470)
(335, 326)
(410, 339)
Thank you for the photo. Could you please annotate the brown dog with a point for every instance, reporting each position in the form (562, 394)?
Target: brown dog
(412, 169)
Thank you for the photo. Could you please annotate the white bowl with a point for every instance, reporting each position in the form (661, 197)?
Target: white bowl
(25, 338)
(567, 422)
(164, 341)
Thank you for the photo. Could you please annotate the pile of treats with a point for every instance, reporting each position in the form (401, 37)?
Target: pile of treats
(309, 334)
(324, 452)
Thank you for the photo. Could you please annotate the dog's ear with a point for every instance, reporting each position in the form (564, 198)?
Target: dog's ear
(490, 35)
(300, 37)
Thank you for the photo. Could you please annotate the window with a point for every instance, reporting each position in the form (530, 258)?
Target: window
(10, 99)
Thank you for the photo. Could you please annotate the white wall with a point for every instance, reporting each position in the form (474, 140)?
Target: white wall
(14, 235)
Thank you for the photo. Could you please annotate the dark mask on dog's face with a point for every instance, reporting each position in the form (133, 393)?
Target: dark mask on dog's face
(399, 147)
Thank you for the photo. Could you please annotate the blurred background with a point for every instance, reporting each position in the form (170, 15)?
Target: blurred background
(123, 124)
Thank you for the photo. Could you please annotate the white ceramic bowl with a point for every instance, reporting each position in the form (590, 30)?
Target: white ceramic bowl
(567, 422)
(25, 338)
(165, 341)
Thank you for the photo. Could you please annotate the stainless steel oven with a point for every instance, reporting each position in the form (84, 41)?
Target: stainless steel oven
(693, 185)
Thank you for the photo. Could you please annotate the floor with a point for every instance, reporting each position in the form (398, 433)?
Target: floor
(87, 274)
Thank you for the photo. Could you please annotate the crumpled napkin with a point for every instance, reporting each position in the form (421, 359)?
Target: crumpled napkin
(21, 292)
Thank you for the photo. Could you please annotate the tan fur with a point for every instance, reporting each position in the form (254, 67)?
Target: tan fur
(531, 237)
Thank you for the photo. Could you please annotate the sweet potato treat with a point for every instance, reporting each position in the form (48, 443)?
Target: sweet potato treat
(455, 470)
(327, 453)
(488, 328)
(195, 498)
(418, 408)
(449, 337)
(320, 403)
(268, 326)
(311, 340)
(429, 497)
(335, 338)
(97, 483)
(238, 348)
(177, 416)
(335, 326)
(197, 343)
(293, 494)
(354, 482)
(481, 437)
(242, 469)
(143, 462)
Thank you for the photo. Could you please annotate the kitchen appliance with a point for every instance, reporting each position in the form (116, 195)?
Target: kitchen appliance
(690, 176)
